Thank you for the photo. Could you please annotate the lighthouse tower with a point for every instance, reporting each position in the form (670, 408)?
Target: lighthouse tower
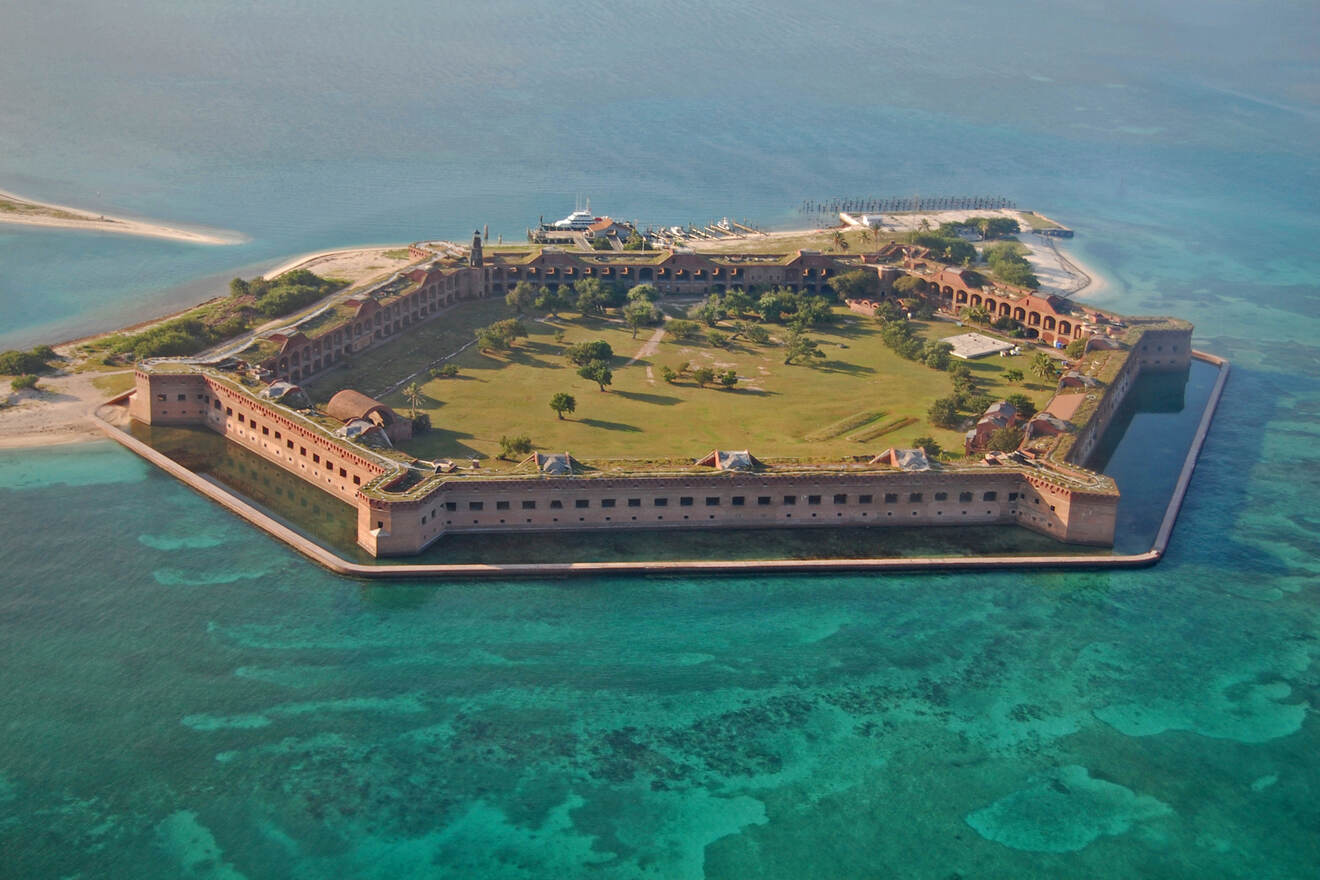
(474, 258)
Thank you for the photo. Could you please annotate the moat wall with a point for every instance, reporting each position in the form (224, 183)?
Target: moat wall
(405, 525)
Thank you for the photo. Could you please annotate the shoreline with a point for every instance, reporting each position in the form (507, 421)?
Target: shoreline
(30, 212)
(38, 420)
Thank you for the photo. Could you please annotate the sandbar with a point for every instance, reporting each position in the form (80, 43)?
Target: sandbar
(23, 211)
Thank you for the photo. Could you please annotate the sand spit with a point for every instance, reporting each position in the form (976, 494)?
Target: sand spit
(58, 412)
(26, 212)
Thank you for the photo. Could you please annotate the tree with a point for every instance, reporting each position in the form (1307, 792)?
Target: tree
(909, 285)
(522, 298)
(976, 314)
(421, 423)
(1043, 365)
(703, 376)
(1005, 439)
(500, 335)
(840, 243)
(738, 302)
(641, 312)
(751, 332)
(1013, 375)
(1025, 407)
(668, 374)
(598, 372)
(718, 339)
(412, 393)
(936, 354)
(728, 378)
(710, 310)
(932, 448)
(857, 284)
(444, 371)
(635, 242)
(682, 329)
(563, 403)
(943, 413)
(1010, 265)
(1076, 348)
(646, 292)
(961, 374)
(592, 297)
(774, 304)
(238, 287)
(552, 300)
(584, 353)
(799, 347)
(519, 444)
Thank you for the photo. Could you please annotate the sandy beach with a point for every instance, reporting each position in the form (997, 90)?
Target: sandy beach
(23, 211)
(59, 412)
(351, 264)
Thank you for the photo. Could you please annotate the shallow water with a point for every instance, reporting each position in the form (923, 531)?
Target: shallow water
(184, 697)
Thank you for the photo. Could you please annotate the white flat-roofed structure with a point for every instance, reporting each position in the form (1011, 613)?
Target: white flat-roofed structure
(973, 345)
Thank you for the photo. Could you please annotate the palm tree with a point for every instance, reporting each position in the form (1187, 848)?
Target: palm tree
(1042, 365)
(413, 394)
(840, 243)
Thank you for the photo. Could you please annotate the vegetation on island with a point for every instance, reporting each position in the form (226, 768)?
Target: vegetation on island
(250, 303)
(786, 363)
(1009, 266)
(21, 363)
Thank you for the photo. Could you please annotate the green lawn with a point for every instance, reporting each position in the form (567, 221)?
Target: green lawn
(771, 412)
(116, 383)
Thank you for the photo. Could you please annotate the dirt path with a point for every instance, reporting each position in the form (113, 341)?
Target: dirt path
(650, 347)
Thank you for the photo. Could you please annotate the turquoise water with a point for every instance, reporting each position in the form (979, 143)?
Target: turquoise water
(184, 697)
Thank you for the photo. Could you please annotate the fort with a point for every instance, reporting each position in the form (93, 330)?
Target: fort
(405, 504)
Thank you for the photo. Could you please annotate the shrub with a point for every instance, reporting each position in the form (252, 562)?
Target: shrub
(21, 383)
(421, 423)
(932, 448)
(943, 413)
(1023, 404)
(17, 363)
(519, 444)
(1005, 439)
(683, 329)
(584, 353)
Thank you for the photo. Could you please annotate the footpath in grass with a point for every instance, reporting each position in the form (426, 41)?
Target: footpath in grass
(857, 400)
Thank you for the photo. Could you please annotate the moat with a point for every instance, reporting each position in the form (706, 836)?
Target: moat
(1142, 451)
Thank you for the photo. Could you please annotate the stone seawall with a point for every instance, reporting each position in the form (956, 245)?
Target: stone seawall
(338, 564)
(1161, 351)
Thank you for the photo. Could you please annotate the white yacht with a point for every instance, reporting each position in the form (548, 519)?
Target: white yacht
(578, 220)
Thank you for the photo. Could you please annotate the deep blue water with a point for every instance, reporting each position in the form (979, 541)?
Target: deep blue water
(183, 697)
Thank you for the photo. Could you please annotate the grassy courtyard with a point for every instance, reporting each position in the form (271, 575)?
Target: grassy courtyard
(857, 400)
